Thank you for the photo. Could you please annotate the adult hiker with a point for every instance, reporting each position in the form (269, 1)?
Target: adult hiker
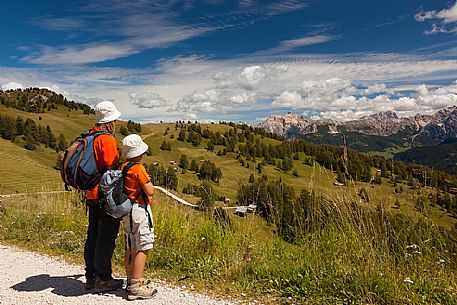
(103, 229)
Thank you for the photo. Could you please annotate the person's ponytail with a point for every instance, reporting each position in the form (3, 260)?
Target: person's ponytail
(110, 127)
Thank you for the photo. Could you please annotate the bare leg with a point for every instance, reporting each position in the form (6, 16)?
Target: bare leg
(139, 262)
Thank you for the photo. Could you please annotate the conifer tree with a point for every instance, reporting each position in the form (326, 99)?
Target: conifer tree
(19, 126)
(184, 162)
(30, 142)
(193, 166)
(182, 135)
(62, 143)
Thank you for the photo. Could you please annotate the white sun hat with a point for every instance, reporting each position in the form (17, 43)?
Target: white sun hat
(106, 112)
(133, 146)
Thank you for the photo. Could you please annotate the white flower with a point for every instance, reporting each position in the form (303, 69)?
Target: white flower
(408, 280)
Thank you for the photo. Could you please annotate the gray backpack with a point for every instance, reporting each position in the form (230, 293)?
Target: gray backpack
(116, 203)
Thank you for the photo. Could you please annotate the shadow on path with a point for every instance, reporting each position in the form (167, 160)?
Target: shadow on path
(67, 286)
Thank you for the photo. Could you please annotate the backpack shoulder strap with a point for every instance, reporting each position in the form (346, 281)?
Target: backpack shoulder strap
(100, 132)
(127, 167)
(124, 174)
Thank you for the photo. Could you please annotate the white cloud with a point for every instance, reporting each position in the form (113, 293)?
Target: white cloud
(291, 99)
(344, 115)
(445, 16)
(228, 88)
(330, 99)
(246, 3)
(57, 89)
(59, 23)
(378, 88)
(198, 102)
(247, 77)
(81, 54)
(288, 45)
(285, 6)
(12, 86)
(243, 98)
(422, 16)
(326, 90)
(252, 76)
(91, 101)
(147, 100)
(439, 29)
(115, 29)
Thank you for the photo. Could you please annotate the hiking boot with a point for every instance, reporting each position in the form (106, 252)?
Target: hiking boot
(139, 289)
(145, 282)
(112, 284)
(90, 284)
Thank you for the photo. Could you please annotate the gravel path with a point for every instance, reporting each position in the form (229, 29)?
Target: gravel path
(28, 278)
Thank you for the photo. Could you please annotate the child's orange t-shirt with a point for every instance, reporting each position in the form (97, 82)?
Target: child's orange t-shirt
(106, 155)
(134, 180)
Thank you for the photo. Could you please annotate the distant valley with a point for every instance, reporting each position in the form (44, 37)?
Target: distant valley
(412, 139)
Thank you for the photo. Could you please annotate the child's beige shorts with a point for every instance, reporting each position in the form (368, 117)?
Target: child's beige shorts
(141, 234)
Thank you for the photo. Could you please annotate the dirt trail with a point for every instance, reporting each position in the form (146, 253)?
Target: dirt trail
(30, 278)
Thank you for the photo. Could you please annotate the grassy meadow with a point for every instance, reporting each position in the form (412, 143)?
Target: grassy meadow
(354, 257)
(352, 251)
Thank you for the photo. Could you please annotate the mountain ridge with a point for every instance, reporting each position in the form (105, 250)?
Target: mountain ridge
(435, 128)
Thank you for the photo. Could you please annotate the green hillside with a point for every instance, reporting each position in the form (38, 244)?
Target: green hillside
(34, 170)
(332, 226)
(442, 156)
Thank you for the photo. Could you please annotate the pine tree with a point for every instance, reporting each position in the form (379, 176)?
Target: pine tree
(193, 166)
(210, 146)
(7, 127)
(30, 142)
(19, 126)
(182, 135)
(171, 179)
(62, 143)
(51, 138)
(184, 162)
(165, 146)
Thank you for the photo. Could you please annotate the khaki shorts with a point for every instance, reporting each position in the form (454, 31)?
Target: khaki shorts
(141, 234)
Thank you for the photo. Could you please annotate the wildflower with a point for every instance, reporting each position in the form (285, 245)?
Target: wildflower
(440, 261)
(203, 238)
(413, 246)
(408, 280)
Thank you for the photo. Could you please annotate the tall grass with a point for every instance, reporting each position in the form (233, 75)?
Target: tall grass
(342, 254)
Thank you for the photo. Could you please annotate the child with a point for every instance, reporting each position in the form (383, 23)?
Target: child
(139, 232)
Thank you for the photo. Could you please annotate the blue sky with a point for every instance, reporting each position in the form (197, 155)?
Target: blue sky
(236, 60)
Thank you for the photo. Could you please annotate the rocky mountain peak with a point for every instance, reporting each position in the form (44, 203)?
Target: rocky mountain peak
(438, 126)
(383, 115)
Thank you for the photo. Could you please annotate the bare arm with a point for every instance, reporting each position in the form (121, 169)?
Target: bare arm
(148, 188)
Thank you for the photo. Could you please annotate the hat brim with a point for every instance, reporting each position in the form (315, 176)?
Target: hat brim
(137, 151)
(113, 117)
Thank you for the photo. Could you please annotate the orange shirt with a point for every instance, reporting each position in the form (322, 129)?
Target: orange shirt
(106, 155)
(135, 179)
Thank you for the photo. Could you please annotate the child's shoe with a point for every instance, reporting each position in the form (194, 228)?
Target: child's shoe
(139, 289)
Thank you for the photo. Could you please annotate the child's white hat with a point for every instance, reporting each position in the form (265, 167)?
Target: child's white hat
(133, 146)
(106, 112)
